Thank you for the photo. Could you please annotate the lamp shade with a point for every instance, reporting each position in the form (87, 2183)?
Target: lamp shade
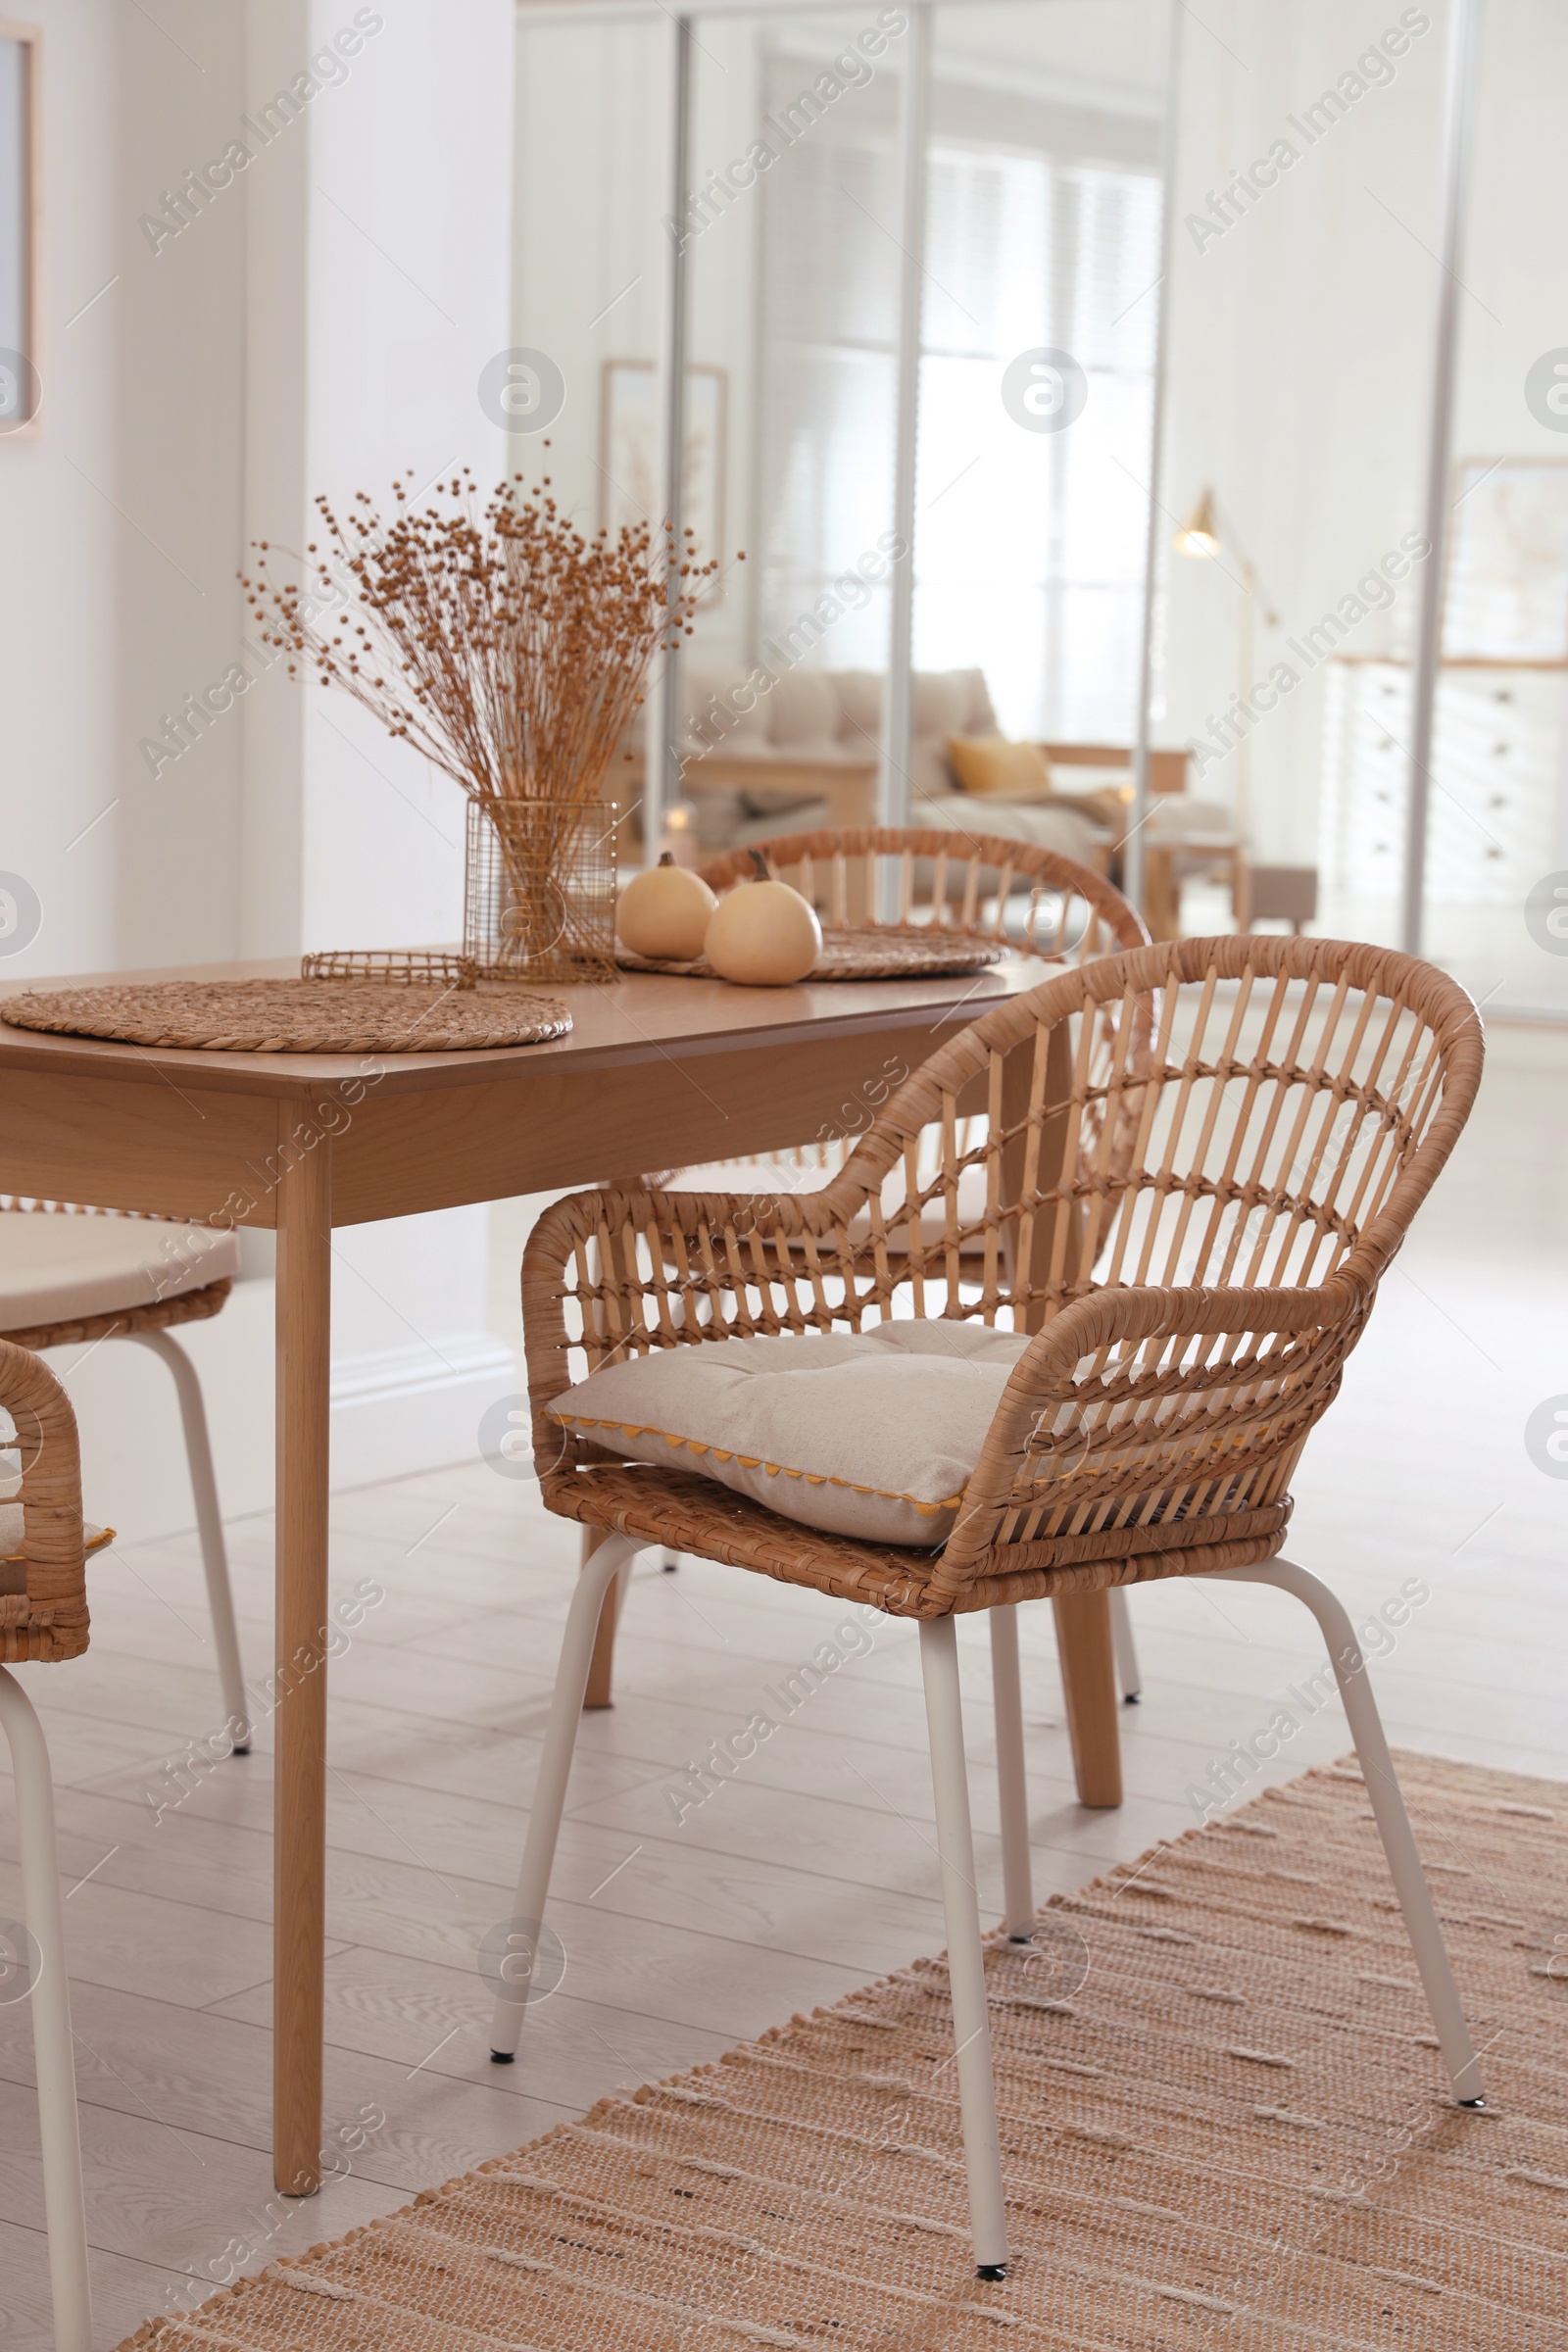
(1199, 533)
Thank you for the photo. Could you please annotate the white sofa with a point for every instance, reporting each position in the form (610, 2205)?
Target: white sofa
(800, 754)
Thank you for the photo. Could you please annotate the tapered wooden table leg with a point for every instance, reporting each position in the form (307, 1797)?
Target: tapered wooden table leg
(299, 1799)
(1084, 1642)
(601, 1670)
(1088, 1657)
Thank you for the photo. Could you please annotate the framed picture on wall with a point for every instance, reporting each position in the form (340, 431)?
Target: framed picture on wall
(18, 148)
(628, 454)
(1506, 594)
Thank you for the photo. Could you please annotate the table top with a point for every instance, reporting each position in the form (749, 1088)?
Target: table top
(626, 1020)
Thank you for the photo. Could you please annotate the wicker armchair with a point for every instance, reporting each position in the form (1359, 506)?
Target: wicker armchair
(43, 1615)
(1041, 904)
(1249, 1125)
(71, 1276)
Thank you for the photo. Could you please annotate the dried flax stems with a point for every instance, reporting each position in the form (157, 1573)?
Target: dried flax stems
(503, 645)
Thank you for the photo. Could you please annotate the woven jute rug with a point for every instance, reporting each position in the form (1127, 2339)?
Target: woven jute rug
(293, 1016)
(1224, 2124)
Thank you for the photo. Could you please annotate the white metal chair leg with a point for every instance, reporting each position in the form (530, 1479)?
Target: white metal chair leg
(1388, 1807)
(209, 1529)
(614, 1556)
(1121, 1634)
(65, 2211)
(1012, 1774)
(967, 1971)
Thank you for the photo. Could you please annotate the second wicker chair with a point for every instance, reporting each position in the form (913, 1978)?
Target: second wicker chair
(1038, 902)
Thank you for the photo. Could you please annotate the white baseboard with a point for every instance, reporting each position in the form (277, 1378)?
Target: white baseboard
(414, 1408)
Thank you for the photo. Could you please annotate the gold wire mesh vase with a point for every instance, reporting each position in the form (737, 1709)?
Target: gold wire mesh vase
(539, 890)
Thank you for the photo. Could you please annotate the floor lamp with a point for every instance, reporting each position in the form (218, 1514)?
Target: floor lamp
(1204, 537)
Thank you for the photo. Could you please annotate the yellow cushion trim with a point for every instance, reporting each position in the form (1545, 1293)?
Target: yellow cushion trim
(754, 1461)
(97, 1538)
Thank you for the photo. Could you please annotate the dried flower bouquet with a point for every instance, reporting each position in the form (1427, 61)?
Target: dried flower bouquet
(513, 653)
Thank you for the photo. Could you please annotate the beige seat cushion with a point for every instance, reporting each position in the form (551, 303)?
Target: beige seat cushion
(870, 1434)
(56, 1269)
(12, 1527)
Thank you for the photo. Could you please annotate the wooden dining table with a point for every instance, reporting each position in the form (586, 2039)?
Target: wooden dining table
(655, 1071)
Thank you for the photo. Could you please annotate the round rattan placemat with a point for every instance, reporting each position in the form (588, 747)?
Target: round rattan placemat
(292, 1017)
(900, 952)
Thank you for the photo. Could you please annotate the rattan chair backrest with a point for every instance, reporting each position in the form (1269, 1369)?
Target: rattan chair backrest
(1036, 900)
(1247, 1111)
(875, 876)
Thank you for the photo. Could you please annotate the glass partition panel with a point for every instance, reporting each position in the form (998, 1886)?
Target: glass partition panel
(1303, 303)
(1496, 877)
(1037, 380)
(792, 279)
(577, 390)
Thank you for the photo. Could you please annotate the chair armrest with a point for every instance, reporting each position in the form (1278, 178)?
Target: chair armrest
(636, 1268)
(1135, 1406)
(50, 1493)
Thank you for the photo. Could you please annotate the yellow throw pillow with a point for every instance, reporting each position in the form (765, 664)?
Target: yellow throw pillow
(994, 769)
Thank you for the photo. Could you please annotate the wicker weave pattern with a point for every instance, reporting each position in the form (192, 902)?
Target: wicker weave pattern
(877, 952)
(294, 1016)
(158, 1314)
(48, 1619)
(1199, 1160)
(886, 876)
(960, 884)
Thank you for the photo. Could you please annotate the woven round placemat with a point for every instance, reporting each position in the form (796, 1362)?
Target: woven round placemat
(901, 952)
(292, 1017)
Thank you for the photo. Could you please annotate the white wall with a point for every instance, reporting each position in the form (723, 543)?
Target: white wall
(319, 325)
(58, 528)
(408, 296)
(170, 338)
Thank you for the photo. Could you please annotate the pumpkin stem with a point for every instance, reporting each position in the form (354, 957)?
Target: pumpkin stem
(667, 858)
(760, 872)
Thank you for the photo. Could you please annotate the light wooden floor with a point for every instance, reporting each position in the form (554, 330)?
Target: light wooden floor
(811, 1872)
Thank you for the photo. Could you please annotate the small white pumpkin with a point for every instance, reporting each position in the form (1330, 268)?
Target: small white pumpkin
(763, 935)
(665, 911)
